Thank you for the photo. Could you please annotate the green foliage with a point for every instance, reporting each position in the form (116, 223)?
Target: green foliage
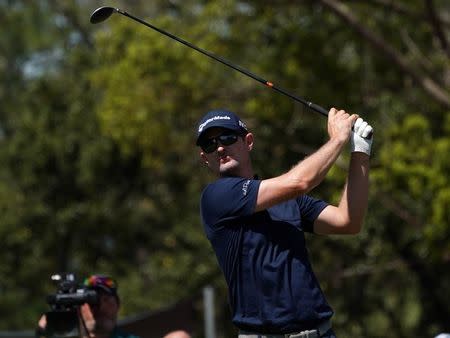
(99, 172)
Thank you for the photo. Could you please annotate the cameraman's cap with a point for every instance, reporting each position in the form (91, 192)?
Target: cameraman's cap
(103, 283)
(220, 118)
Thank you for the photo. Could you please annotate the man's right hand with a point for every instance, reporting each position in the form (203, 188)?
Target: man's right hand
(340, 124)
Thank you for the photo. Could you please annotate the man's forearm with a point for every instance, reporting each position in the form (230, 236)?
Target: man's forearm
(314, 168)
(355, 196)
(302, 178)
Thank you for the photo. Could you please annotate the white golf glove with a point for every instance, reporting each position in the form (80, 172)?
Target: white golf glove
(362, 137)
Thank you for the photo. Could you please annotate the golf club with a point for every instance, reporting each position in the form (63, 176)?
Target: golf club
(103, 13)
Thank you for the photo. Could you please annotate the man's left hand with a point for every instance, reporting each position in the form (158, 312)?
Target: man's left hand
(362, 137)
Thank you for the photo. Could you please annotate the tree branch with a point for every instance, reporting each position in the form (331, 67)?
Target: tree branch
(401, 212)
(394, 6)
(436, 24)
(429, 85)
(415, 50)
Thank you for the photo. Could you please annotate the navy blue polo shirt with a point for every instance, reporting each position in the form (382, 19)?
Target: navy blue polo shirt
(271, 284)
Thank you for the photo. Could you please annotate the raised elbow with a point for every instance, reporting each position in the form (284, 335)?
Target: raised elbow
(352, 227)
(304, 185)
(353, 230)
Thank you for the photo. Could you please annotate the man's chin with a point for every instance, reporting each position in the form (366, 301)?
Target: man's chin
(228, 169)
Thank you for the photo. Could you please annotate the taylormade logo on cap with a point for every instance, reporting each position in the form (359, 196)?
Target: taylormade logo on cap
(220, 118)
(217, 117)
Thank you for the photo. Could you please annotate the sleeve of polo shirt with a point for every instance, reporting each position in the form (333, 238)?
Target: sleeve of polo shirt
(310, 209)
(228, 198)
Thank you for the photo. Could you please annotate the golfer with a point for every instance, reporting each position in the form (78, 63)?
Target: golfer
(256, 226)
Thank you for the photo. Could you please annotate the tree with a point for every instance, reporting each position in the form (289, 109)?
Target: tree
(100, 173)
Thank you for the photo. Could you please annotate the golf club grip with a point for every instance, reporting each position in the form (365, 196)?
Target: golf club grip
(318, 108)
(324, 112)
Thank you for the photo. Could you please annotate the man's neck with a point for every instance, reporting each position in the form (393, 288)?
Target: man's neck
(242, 173)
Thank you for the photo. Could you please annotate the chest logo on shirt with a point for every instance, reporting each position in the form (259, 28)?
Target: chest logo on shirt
(245, 187)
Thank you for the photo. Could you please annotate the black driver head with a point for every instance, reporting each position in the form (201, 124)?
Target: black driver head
(101, 14)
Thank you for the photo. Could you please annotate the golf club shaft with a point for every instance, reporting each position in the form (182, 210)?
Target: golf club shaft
(269, 84)
(103, 13)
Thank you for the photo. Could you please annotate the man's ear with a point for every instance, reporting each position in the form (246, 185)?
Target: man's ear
(203, 157)
(249, 141)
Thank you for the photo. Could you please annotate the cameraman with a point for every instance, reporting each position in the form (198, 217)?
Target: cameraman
(100, 320)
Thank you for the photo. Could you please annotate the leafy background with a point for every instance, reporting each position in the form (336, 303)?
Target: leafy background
(99, 171)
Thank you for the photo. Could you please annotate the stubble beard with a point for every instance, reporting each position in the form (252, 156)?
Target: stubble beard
(230, 168)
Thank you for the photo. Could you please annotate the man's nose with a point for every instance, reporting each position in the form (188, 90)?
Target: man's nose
(220, 147)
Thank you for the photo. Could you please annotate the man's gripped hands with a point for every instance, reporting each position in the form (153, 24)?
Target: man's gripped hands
(340, 124)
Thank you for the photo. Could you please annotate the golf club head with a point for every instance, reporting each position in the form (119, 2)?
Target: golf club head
(101, 14)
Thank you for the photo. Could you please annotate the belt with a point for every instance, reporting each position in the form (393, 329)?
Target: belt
(318, 332)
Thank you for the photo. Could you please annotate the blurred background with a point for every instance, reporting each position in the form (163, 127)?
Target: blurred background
(99, 171)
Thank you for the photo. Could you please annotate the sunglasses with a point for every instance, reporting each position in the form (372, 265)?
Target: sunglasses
(97, 280)
(227, 138)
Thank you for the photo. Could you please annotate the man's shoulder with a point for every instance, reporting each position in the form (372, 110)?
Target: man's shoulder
(229, 183)
(226, 180)
(229, 188)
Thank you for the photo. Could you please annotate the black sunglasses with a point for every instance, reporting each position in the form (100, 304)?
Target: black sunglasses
(227, 138)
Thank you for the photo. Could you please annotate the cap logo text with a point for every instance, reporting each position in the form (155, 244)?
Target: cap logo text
(217, 117)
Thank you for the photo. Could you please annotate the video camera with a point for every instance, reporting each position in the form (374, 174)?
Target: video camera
(64, 319)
